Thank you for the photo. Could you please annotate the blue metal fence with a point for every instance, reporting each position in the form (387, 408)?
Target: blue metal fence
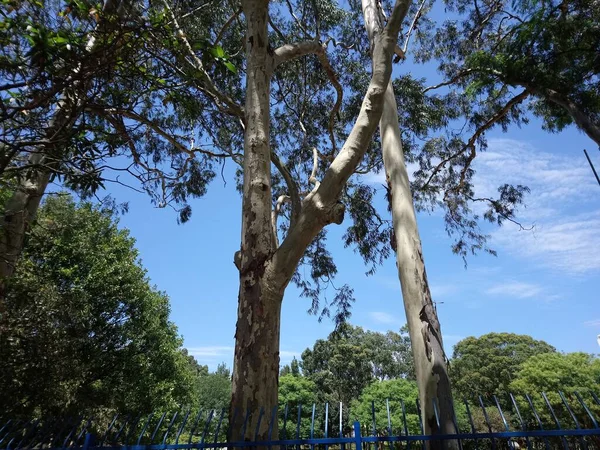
(547, 421)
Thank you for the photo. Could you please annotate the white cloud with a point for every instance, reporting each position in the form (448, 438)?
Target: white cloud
(516, 289)
(383, 317)
(592, 323)
(563, 205)
(213, 354)
(212, 351)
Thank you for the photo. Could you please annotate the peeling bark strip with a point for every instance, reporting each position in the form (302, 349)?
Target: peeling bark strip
(265, 269)
(426, 338)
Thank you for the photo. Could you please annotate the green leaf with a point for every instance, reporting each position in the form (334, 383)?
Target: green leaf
(231, 67)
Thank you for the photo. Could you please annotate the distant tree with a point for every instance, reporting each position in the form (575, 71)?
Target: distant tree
(84, 332)
(198, 369)
(378, 394)
(293, 392)
(351, 358)
(488, 364)
(554, 372)
(214, 389)
(295, 367)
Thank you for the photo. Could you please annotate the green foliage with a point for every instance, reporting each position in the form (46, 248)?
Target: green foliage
(554, 372)
(351, 358)
(214, 389)
(381, 394)
(487, 365)
(84, 331)
(296, 391)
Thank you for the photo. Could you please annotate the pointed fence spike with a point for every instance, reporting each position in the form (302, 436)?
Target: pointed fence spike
(389, 427)
(132, 429)
(285, 418)
(298, 423)
(272, 422)
(219, 425)
(326, 420)
(537, 417)
(84, 429)
(235, 413)
(506, 427)
(169, 428)
(374, 429)
(245, 423)
(207, 425)
(73, 430)
(523, 426)
(160, 421)
(587, 410)
(183, 424)
(570, 411)
(260, 415)
(195, 426)
(141, 435)
(420, 422)
(556, 421)
(436, 413)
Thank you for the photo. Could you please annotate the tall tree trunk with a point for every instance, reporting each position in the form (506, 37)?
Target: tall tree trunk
(426, 338)
(19, 212)
(256, 359)
(431, 364)
(265, 269)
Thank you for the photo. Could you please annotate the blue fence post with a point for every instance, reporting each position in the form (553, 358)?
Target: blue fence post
(89, 441)
(357, 436)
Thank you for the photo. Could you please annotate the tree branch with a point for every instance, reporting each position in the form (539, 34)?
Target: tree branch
(226, 25)
(471, 143)
(288, 52)
(413, 26)
(313, 176)
(231, 107)
(291, 185)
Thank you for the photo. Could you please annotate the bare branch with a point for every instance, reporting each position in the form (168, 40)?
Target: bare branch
(298, 22)
(275, 214)
(108, 112)
(226, 25)
(324, 60)
(230, 106)
(288, 52)
(291, 185)
(413, 26)
(471, 143)
(313, 175)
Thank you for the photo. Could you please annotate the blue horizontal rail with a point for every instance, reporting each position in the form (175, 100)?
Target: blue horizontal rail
(566, 416)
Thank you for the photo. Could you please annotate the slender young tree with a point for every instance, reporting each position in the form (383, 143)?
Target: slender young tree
(431, 364)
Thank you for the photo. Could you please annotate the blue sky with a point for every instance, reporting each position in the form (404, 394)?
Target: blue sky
(544, 282)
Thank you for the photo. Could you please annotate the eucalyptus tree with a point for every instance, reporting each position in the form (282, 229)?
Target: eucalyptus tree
(511, 57)
(431, 363)
(87, 97)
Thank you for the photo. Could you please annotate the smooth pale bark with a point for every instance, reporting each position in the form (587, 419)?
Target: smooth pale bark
(431, 364)
(426, 338)
(265, 270)
(19, 212)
